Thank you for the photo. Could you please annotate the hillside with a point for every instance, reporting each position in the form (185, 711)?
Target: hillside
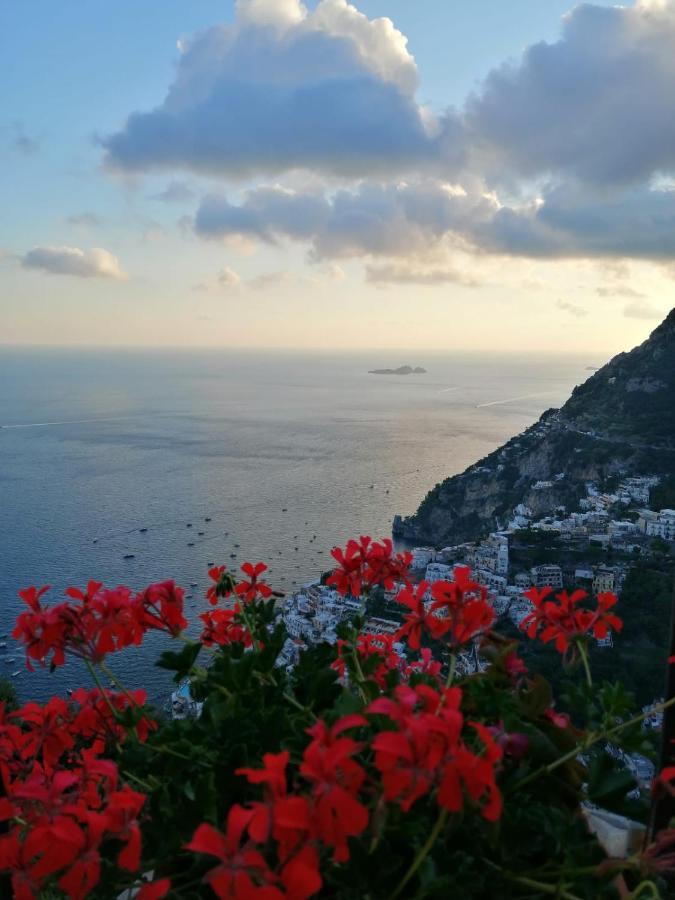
(620, 421)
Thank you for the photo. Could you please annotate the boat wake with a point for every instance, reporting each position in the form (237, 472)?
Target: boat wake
(67, 422)
(513, 399)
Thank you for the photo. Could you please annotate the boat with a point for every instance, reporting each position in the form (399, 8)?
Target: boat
(69, 692)
(189, 525)
(207, 519)
(15, 674)
(233, 555)
(200, 533)
(129, 555)
(191, 543)
(3, 644)
(284, 509)
(142, 530)
(193, 584)
(10, 659)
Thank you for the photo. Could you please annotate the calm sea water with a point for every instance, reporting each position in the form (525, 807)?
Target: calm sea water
(287, 454)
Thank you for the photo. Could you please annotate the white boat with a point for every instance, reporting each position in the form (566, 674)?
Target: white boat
(14, 674)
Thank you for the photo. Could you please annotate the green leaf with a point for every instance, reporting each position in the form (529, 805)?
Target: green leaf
(181, 662)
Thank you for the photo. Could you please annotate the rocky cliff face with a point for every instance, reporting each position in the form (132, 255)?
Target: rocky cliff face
(620, 421)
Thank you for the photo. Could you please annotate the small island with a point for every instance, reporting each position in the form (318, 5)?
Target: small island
(402, 370)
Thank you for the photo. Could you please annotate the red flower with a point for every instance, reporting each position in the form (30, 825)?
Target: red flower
(336, 778)
(161, 607)
(154, 890)
(223, 627)
(243, 873)
(122, 813)
(514, 666)
(465, 612)
(371, 647)
(253, 588)
(416, 619)
(425, 665)
(564, 620)
(45, 731)
(368, 563)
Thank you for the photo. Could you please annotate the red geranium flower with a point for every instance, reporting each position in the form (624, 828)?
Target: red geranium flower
(249, 590)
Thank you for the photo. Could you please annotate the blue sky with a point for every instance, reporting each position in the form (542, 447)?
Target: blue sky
(404, 196)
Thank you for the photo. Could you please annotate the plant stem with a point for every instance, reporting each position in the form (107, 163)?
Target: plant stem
(589, 742)
(526, 881)
(254, 640)
(106, 671)
(94, 675)
(584, 659)
(451, 670)
(423, 852)
(556, 890)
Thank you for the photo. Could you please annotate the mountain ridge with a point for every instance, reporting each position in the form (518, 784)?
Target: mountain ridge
(620, 421)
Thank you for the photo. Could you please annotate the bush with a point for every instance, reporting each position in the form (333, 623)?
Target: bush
(372, 769)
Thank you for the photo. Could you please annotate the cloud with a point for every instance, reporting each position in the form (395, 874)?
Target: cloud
(403, 219)
(87, 219)
(285, 88)
(572, 308)
(619, 290)
(392, 273)
(175, 192)
(94, 263)
(228, 278)
(638, 309)
(374, 219)
(19, 140)
(566, 152)
(270, 280)
(595, 105)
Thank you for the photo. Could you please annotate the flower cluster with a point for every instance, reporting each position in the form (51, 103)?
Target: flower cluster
(365, 563)
(324, 812)
(397, 734)
(426, 751)
(420, 750)
(248, 589)
(375, 653)
(95, 622)
(223, 627)
(62, 799)
(564, 620)
(456, 611)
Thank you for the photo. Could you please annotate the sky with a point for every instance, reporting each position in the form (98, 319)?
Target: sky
(265, 173)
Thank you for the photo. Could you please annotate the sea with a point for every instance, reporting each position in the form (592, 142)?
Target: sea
(132, 466)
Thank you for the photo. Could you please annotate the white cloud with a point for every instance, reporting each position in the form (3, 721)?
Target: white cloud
(595, 105)
(228, 278)
(175, 192)
(572, 308)
(565, 153)
(284, 88)
(94, 263)
(407, 273)
(639, 309)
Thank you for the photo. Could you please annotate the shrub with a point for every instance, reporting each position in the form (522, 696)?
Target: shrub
(371, 769)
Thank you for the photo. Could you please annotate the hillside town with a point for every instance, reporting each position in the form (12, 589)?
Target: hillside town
(596, 545)
(619, 523)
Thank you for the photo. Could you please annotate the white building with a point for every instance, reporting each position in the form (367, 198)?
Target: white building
(422, 556)
(439, 572)
(547, 576)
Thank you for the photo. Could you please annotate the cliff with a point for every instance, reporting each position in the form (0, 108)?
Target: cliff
(620, 421)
